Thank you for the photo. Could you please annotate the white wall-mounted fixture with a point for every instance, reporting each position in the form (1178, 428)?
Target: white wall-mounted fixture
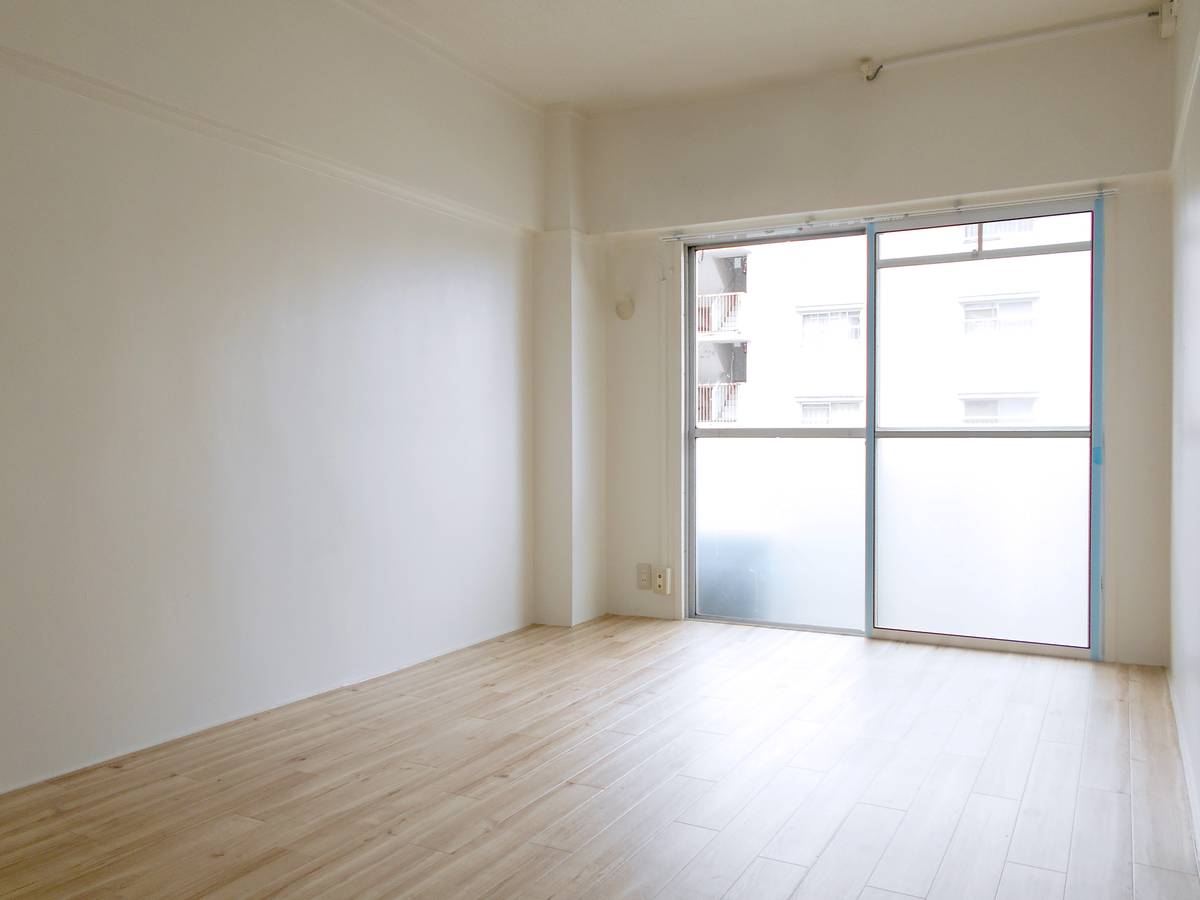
(1168, 16)
(643, 576)
(625, 308)
(662, 580)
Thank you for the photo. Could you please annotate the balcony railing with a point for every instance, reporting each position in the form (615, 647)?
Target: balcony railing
(718, 312)
(718, 402)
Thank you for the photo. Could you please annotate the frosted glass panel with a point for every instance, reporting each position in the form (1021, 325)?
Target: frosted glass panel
(986, 343)
(780, 530)
(781, 334)
(984, 537)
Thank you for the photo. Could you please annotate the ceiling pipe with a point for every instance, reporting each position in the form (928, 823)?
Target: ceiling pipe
(1165, 13)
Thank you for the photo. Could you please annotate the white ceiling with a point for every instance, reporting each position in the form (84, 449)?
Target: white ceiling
(598, 54)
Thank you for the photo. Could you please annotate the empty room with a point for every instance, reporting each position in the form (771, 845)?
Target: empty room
(600, 449)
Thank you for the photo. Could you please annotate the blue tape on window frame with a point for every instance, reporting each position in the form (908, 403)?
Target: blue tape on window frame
(1095, 555)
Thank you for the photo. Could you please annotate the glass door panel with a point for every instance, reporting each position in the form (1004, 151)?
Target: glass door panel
(779, 333)
(990, 343)
(984, 537)
(779, 530)
(778, 432)
(976, 534)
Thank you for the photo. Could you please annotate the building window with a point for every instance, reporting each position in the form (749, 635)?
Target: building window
(993, 231)
(1008, 315)
(829, 325)
(979, 319)
(997, 410)
(815, 413)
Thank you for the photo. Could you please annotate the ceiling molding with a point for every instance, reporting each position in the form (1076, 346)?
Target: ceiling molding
(121, 98)
(378, 15)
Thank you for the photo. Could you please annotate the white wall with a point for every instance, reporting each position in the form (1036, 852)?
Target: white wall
(265, 432)
(1137, 423)
(553, 398)
(310, 74)
(589, 426)
(1185, 494)
(1004, 119)
(643, 408)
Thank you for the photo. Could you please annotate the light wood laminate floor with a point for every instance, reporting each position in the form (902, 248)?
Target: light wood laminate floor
(643, 758)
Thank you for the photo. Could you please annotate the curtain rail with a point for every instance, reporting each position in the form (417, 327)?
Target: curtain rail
(817, 225)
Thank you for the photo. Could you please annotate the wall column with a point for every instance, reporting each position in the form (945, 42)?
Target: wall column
(568, 394)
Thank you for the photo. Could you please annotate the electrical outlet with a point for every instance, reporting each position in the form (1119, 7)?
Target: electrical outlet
(643, 576)
(662, 580)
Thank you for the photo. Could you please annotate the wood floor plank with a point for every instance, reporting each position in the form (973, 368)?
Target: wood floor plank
(804, 836)
(727, 756)
(1101, 866)
(614, 844)
(901, 778)
(911, 860)
(649, 869)
(974, 861)
(717, 808)
(1008, 760)
(977, 727)
(985, 708)
(1162, 829)
(487, 814)
(1066, 714)
(873, 893)
(114, 868)
(1152, 721)
(638, 758)
(767, 879)
(1106, 746)
(728, 855)
(842, 870)
(1150, 883)
(1027, 883)
(1043, 831)
(609, 804)
(505, 855)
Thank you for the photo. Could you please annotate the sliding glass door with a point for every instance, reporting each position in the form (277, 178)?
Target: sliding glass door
(893, 431)
(779, 372)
